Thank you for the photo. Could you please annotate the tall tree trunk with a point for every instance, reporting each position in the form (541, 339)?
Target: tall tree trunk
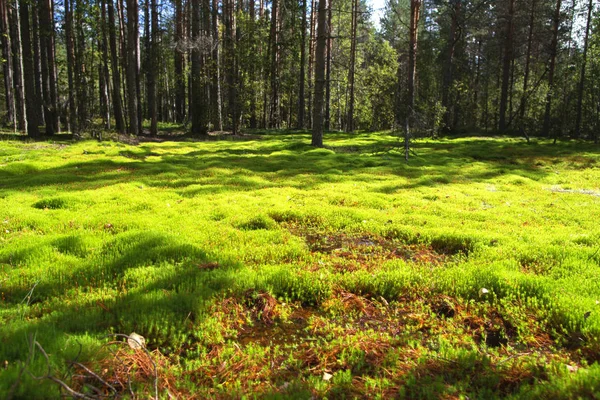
(117, 101)
(328, 71)
(301, 92)
(132, 66)
(32, 99)
(103, 71)
(523, 102)
(123, 57)
(230, 39)
(476, 84)
(154, 69)
(217, 113)
(53, 69)
(199, 51)
(274, 73)
(506, 63)
(322, 33)
(81, 83)
(145, 64)
(7, 67)
(44, 27)
(415, 6)
(69, 37)
(179, 62)
(17, 59)
(37, 60)
(448, 67)
(48, 65)
(350, 116)
(582, 74)
(311, 59)
(551, 68)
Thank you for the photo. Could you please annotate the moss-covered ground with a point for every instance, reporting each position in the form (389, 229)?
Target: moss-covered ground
(261, 267)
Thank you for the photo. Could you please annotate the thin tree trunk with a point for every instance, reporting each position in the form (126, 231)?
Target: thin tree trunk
(80, 69)
(179, 61)
(506, 63)
(551, 69)
(123, 57)
(582, 74)
(415, 6)
(350, 116)
(32, 99)
(17, 53)
(230, 40)
(73, 126)
(145, 64)
(448, 67)
(154, 67)
(328, 71)
(103, 71)
(301, 92)
(322, 33)
(132, 66)
(199, 104)
(37, 61)
(476, 86)
(7, 63)
(523, 103)
(274, 74)
(46, 49)
(216, 97)
(311, 59)
(117, 101)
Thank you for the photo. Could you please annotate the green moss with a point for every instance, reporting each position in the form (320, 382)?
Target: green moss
(351, 243)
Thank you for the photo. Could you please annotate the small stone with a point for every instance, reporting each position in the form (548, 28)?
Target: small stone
(136, 341)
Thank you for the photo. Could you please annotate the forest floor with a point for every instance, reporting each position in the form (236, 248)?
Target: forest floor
(259, 266)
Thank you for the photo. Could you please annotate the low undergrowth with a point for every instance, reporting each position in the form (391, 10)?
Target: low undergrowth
(261, 267)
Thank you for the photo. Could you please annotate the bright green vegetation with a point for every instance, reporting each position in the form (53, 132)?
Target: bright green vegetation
(264, 267)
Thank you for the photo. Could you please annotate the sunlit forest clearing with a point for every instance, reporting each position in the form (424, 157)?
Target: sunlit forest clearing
(258, 265)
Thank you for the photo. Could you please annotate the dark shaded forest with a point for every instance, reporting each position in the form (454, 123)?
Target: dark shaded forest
(526, 67)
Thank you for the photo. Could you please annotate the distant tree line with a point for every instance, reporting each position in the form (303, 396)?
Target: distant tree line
(529, 66)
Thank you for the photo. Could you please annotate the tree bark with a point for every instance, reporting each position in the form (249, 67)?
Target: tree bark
(415, 6)
(506, 63)
(179, 62)
(32, 99)
(216, 98)
(301, 80)
(523, 103)
(230, 43)
(7, 64)
(274, 73)
(117, 101)
(37, 61)
(48, 65)
(81, 83)
(582, 74)
(132, 66)
(322, 33)
(17, 64)
(327, 126)
(199, 52)
(154, 69)
(551, 68)
(448, 67)
(69, 38)
(350, 116)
